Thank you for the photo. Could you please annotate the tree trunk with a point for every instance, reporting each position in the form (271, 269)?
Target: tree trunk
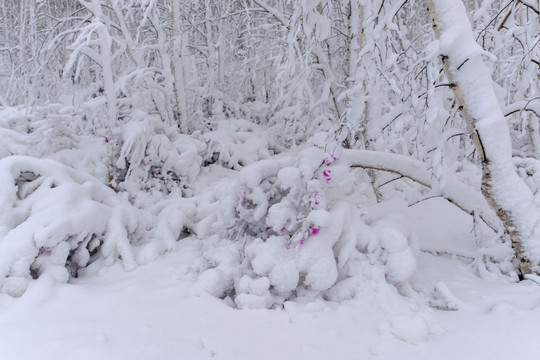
(470, 79)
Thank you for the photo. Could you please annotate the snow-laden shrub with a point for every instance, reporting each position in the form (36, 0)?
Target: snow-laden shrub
(57, 132)
(157, 168)
(291, 228)
(294, 124)
(58, 212)
(153, 157)
(40, 131)
(237, 143)
(55, 220)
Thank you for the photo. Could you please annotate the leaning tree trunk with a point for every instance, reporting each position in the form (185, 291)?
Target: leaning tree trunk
(470, 79)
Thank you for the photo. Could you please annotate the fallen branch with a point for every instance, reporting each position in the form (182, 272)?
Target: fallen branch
(455, 192)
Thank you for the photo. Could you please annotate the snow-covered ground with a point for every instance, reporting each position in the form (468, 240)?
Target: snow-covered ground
(157, 311)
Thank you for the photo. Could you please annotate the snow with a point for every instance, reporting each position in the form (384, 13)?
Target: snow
(151, 313)
(277, 258)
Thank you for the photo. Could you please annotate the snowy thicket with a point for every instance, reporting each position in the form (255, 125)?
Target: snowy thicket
(288, 139)
(273, 226)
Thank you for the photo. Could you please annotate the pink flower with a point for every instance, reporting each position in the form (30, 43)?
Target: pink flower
(106, 139)
(329, 159)
(326, 174)
(314, 230)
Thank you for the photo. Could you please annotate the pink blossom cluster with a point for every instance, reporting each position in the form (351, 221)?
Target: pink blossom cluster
(312, 231)
(327, 175)
(329, 159)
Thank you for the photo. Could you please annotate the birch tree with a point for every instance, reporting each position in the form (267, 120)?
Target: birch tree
(469, 77)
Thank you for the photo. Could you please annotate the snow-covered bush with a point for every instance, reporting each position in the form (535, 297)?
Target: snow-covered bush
(237, 143)
(56, 132)
(39, 131)
(297, 231)
(152, 157)
(55, 220)
(59, 210)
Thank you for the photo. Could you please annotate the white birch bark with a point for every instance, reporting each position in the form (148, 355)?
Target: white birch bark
(470, 79)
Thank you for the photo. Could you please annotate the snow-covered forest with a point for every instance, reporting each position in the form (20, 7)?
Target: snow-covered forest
(322, 160)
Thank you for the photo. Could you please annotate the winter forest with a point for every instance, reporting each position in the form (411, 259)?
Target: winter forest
(366, 168)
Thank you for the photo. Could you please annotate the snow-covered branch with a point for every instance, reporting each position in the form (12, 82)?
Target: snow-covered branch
(455, 191)
(534, 6)
(399, 164)
(274, 12)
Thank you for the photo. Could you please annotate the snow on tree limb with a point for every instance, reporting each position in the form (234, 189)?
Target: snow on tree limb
(399, 164)
(274, 12)
(456, 192)
(532, 105)
(534, 6)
